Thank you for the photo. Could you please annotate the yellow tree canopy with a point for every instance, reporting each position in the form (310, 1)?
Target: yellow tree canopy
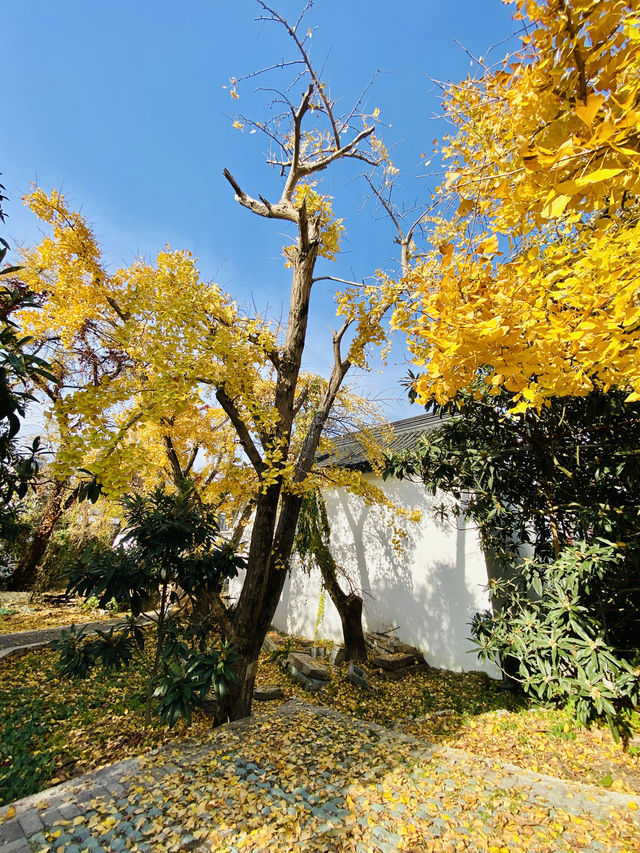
(534, 272)
(139, 354)
(136, 353)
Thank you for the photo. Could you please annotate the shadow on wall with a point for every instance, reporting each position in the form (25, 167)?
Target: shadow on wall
(430, 590)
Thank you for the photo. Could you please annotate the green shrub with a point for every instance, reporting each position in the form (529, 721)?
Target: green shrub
(550, 640)
(173, 555)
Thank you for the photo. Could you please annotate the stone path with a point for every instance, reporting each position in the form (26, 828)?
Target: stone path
(304, 778)
(26, 640)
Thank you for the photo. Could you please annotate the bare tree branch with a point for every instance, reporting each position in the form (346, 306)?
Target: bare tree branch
(243, 433)
(281, 210)
(303, 53)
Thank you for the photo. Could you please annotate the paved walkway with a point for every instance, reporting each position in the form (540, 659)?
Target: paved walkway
(23, 640)
(303, 778)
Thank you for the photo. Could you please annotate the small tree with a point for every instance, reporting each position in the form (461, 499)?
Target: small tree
(313, 546)
(174, 552)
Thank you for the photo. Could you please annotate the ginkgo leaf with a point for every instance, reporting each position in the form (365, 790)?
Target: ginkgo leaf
(587, 112)
(490, 246)
(465, 206)
(597, 176)
(555, 206)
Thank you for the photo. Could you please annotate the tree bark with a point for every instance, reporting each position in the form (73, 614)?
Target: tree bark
(349, 606)
(26, 574)
(350, 610)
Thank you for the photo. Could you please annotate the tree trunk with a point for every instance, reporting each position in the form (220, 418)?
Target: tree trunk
(350, 609)
(26, 574)
(348, 606)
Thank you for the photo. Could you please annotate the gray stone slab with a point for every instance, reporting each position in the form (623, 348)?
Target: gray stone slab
(310, 684)
(307, 666)
(337, 656)
(357, 675)
(267, 692)
(318, 652)
(394, 662)
(269, 645)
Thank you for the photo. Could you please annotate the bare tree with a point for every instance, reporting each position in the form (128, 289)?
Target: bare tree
(307, 138)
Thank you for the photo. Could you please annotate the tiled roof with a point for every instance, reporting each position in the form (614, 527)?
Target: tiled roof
(348, 451)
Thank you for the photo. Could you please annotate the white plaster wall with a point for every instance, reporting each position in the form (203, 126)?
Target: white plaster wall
(429, 591)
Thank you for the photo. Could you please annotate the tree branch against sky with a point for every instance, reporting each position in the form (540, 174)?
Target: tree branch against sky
(144, 158)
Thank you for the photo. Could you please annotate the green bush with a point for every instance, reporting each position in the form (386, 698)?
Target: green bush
(172, 554)
(557, 646)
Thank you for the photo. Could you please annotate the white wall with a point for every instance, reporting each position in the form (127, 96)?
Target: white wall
(429, 592)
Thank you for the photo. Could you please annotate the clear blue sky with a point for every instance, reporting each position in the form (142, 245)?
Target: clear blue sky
(121, 106)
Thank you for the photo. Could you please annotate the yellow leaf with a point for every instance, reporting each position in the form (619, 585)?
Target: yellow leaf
(632, 805)
(490, 246)
(588, 111)
(555, 206)
(451, 179)
(375, 113)
(597, 176)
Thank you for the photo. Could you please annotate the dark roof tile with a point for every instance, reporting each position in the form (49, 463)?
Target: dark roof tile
(349, 452)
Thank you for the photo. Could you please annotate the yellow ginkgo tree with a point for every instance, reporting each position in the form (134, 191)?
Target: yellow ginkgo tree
(129, 407)
(533, 274)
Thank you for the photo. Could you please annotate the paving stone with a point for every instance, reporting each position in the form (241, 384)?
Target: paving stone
(69, 810)
(30, 823)
(21, 845)
(11, 831)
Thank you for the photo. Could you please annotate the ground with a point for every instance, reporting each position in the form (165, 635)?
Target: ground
(18, 613)
(52, 729)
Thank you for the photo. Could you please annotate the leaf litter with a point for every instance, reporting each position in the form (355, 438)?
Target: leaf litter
(305, 785)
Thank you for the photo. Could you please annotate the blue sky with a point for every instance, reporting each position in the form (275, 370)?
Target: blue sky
(121, 106)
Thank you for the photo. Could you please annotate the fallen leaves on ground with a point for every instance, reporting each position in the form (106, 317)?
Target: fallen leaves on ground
(27, 616)
(52, 729)
(471, 711)
(308, 781)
